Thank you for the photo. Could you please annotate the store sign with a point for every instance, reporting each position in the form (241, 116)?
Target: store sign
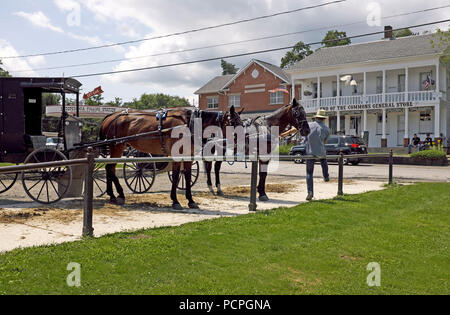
(396, 105)
(85, 111)
(97, 91)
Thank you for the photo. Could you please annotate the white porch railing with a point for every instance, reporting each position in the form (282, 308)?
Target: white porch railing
(312, 105)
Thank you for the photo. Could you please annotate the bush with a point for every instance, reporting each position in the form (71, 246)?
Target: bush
(429, 155)
(285, 149)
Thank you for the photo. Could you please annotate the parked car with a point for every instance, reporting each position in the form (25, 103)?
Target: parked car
(336, 144)
(55, 143)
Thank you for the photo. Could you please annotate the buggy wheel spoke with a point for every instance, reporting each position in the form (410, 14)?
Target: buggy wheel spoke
(56, 190)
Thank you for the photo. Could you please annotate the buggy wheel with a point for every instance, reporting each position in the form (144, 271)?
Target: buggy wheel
(46, 185)
(182, 181)
(99, 178)
(139, 177)
(7, 181)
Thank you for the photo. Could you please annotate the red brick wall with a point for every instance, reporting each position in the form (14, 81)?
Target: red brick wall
(252, 102)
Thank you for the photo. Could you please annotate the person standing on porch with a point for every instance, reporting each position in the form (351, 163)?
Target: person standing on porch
(315, 146)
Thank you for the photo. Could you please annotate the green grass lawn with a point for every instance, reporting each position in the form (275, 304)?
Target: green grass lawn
(322, 247)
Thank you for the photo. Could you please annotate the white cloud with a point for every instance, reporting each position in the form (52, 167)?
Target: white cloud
(6, 49)
(36, 61)
(66, 5)
(39, 19)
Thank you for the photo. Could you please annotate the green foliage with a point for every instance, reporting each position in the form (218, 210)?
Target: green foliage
(118, 102)
(299, 52)
(441, 41)
(434, 154)
(95, 100)
(322, 247)
(3, 72)
(403, 33)
(228, 68)
(336, 38)
(90, 130)
(285, 149)
(157, 101)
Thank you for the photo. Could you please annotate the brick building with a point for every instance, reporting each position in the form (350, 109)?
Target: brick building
(250, 89)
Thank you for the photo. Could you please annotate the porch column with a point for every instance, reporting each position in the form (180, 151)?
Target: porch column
(338, 92)
(293, 90)
(365, 120)
(338, 121)
(438, 90)
(437, 120)
(406, 84)
(365, 86)
(384, 86)
(384, 137)
(406, 138)
(318, 92)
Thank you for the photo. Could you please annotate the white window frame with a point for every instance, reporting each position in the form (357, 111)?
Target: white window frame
(277, 98)
(213, 102)
(234, 100)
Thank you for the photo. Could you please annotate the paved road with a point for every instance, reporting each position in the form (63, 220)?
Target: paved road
(403, 173)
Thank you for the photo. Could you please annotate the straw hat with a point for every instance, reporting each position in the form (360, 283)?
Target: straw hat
(321, 114)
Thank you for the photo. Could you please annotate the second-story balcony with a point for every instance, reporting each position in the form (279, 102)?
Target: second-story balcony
(339, 103)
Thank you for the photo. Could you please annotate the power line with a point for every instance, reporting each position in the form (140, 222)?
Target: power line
(246, 54)
(229, 43)
(178, 33)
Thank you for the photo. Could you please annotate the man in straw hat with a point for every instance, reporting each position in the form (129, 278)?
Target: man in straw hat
(315, 146)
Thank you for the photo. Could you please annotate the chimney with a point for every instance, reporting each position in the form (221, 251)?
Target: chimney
(388, 32)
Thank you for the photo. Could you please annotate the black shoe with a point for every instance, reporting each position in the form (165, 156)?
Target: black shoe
(326, 180)
(310, 197)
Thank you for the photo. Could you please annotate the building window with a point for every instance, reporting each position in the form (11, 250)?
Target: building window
(425, 122)
(276, 98)
(213, 102)
(379, 85)
(401, 83)
(234, 100)
(380, 124)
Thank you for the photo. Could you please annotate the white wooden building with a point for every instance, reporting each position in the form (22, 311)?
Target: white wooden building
(388, 97)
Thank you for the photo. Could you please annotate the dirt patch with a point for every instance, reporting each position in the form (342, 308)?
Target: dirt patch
(8, 216)
(140, 237)
(270, 188)
(350, 258)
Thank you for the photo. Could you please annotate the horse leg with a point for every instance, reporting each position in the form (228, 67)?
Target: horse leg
(262, 181)
(188, 176)
(175, 178)
(217, 168)
(208, 167)
(111, 173)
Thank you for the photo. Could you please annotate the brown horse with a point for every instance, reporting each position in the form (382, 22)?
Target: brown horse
(160, 142)
(291, 115)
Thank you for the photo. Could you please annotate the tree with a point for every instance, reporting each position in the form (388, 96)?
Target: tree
(441, 41)
(299, 52)
(336, 38)
(228, 68)
(157, 101)
(3, 72)
(403, 33)
(118, 102)
(95, 100)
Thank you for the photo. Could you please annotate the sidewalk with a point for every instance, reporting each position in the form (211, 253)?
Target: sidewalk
(40, 225)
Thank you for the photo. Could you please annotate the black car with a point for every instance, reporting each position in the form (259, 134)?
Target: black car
(336, 144)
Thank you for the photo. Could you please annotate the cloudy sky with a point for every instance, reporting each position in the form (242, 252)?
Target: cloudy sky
(32, 27)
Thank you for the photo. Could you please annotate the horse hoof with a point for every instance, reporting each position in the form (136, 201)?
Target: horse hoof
(177, 206)
(220, 193)
(193, 205)
(113, 201)
(211, 190)
(263, 198)
(120, 201)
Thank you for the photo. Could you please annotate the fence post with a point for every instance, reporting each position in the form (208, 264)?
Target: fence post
(88, 230)
(253, 205)
(341, 175)
(391, 167)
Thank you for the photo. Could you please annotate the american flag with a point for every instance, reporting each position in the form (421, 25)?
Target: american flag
(428, 83)
(280, 89)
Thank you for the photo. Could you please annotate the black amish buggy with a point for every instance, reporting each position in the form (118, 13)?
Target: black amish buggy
(22, 139)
